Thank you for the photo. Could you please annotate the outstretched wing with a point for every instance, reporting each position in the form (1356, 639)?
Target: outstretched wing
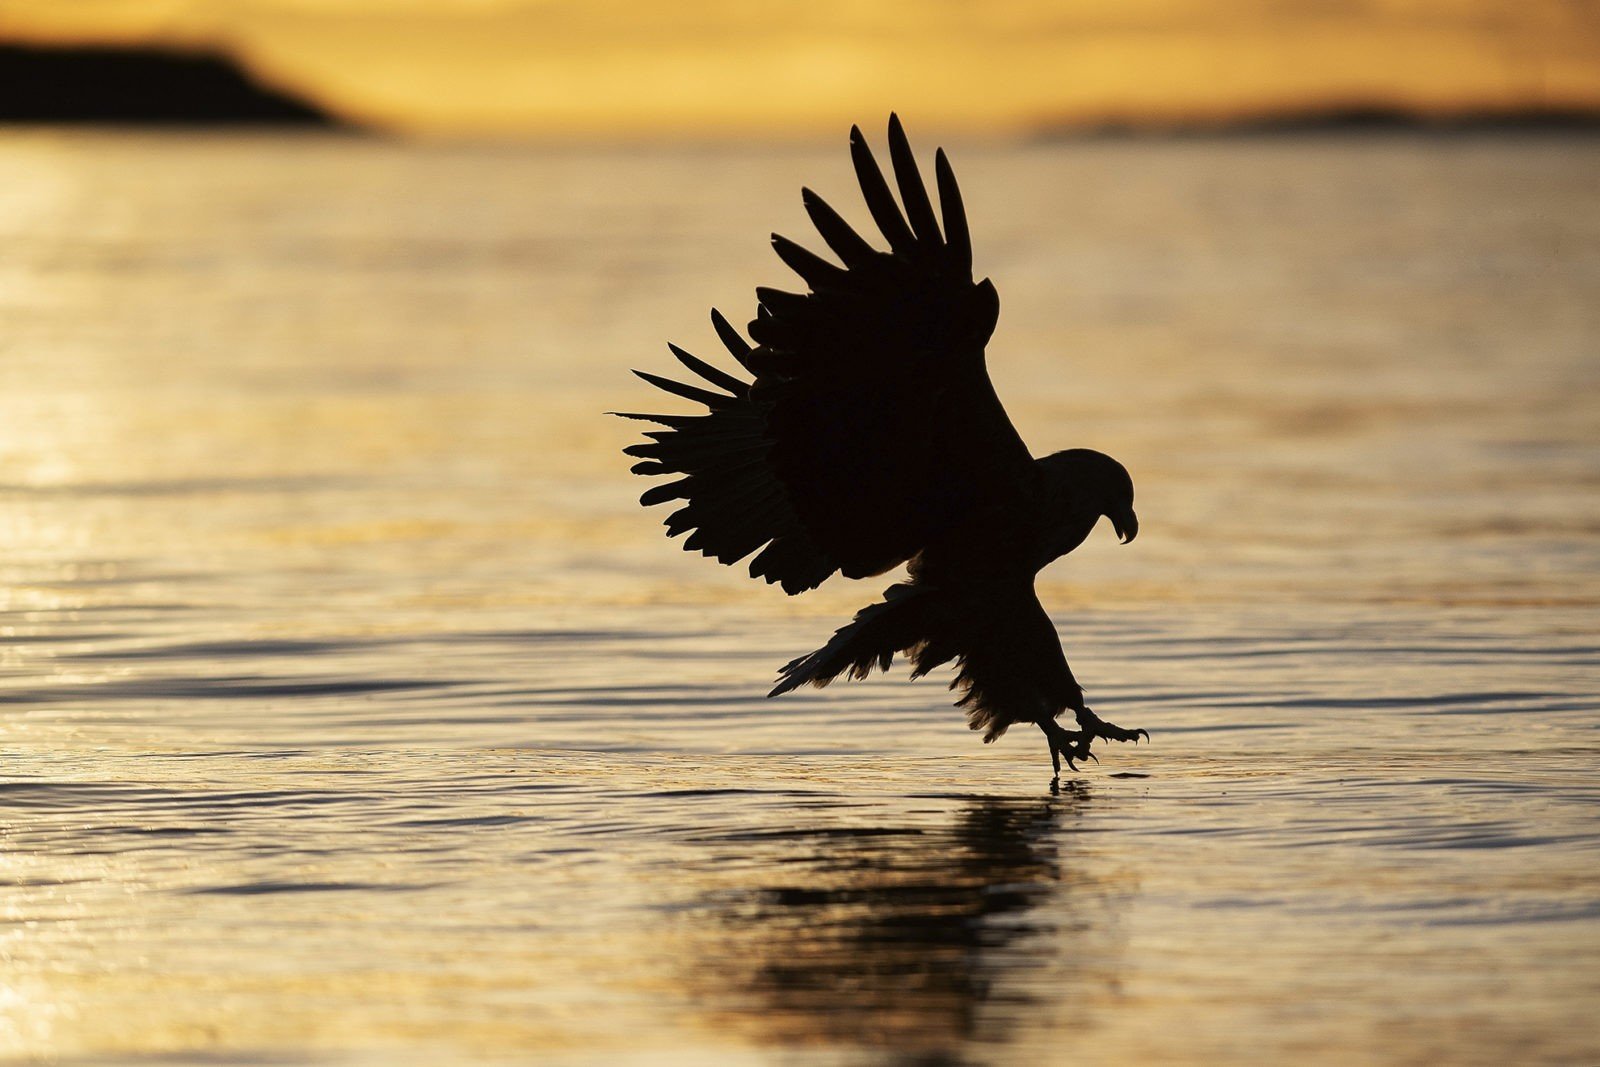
(871, 426)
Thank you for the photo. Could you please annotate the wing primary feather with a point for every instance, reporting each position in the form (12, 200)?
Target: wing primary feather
(694, 456)
(782, 304)
(721, 470)
(688, 392)
(737, 346)
(783, 561)
(955, 213)
(680, 521)
(659, 494)
(919, 210)
(732, 431)
(664, 420)
(817, 272)
(777, 337)
(711, 374)
(845, 242)
(739, 530)
(876, 193)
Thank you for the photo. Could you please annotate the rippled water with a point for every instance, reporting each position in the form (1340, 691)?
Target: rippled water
(355, 714)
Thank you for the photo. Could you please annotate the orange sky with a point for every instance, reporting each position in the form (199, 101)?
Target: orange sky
(635, 66)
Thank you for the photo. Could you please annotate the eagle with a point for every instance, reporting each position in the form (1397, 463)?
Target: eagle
(871, 437)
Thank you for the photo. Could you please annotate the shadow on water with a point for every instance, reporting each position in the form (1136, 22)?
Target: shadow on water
(925, 940)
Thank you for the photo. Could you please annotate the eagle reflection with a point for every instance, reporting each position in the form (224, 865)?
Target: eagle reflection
(917, 940)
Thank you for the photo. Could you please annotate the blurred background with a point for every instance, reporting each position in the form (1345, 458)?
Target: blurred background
(717, 67)
(352, 710)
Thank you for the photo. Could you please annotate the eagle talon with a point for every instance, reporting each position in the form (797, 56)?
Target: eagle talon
(1068, 745)
(1094, 726)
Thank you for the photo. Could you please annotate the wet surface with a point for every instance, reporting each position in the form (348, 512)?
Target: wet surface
(355, 713)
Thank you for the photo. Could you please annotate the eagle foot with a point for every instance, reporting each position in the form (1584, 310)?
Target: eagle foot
(1094, 726)
(1069, 744)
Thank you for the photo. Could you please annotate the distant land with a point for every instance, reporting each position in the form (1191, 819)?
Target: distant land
(132, 84)
(717, 69)
(139, 85)
(1355, 120)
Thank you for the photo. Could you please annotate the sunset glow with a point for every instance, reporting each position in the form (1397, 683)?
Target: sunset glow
(373, 697)
(711, 65)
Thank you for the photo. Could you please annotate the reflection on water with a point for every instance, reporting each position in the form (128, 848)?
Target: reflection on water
(355, 713)
(915, 939)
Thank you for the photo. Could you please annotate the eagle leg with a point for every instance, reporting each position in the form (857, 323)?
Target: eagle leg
(1094, 726)
(1063, 742)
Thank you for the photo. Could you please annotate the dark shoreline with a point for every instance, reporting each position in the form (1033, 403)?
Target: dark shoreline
(132, 86)
(1362, 121)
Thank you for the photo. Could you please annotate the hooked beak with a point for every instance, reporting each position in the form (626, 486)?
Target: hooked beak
(1126, 525)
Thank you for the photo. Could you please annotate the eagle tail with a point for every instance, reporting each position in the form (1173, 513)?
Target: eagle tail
(1010, 667)
(905, 620)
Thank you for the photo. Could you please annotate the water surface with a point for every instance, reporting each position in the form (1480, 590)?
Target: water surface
(356, 714)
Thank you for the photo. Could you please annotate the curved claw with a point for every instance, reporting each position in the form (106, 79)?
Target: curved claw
(1098, 727)
(1091, 755)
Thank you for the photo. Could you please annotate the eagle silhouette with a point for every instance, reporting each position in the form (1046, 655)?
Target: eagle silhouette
(872, 436)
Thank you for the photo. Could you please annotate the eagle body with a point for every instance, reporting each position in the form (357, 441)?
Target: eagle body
(868, 436)
(1028, 526)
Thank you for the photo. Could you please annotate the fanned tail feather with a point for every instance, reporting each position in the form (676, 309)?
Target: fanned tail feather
(900, 621)
(932, 627)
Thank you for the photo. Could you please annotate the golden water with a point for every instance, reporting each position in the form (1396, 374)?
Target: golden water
(354, 713)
